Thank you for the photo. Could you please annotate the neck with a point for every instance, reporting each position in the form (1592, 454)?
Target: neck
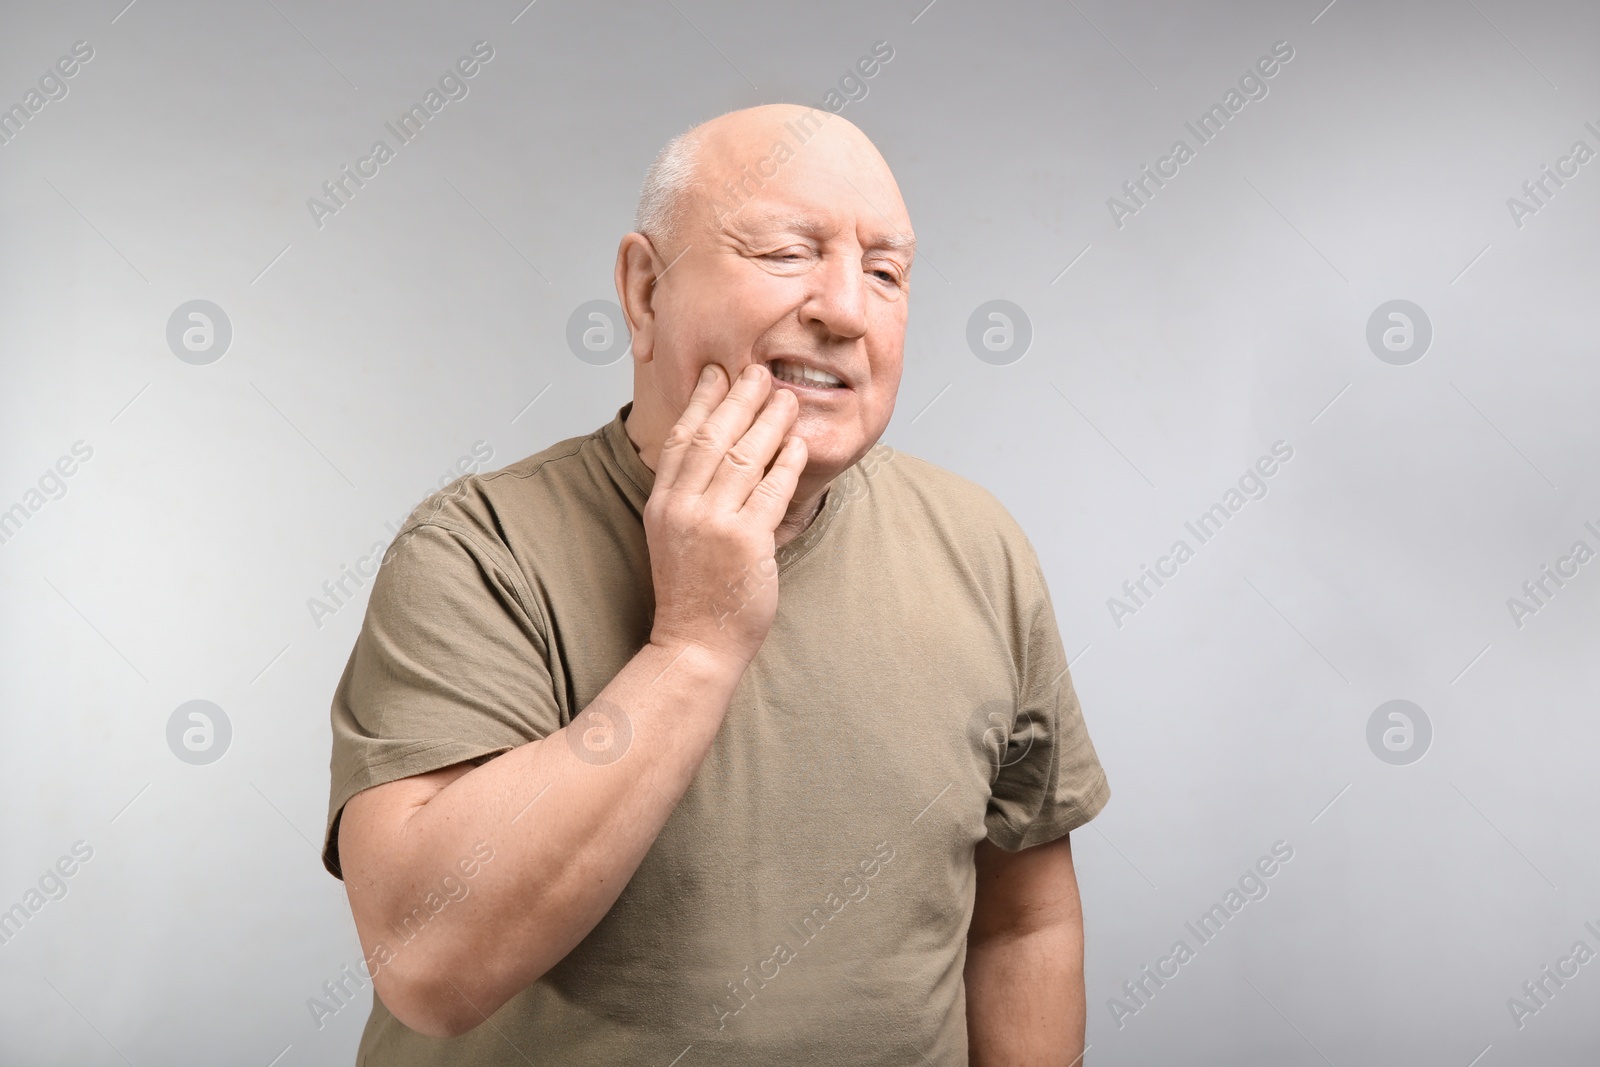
(801, 514)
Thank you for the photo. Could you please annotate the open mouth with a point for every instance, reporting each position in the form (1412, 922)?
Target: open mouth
(795, 373)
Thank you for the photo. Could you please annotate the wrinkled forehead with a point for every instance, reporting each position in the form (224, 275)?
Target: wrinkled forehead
(777, 219)
(773, 176)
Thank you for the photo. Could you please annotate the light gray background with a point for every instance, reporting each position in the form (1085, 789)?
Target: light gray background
(369, 355)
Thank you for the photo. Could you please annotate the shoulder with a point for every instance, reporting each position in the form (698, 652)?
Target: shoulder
(476, 507)
(469, 538)
(918, 500)
(912, 488)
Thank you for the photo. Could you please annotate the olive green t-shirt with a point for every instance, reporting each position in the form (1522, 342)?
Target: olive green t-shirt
(808, 900)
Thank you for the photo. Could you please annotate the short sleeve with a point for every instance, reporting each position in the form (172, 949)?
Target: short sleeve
(451, 665)
(1051, 781)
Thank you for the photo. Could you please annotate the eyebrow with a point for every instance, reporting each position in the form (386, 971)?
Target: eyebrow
(897, 242)
(894, 241)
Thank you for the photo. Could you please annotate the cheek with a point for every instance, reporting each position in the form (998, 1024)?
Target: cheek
(686, 343)
(887, 372)
(887, 360)
(887, 338)
(719, 326)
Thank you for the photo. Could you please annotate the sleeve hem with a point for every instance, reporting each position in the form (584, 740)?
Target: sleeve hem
(418, 758)
(1043, 831)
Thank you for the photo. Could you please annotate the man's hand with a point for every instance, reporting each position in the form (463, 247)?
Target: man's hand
(711, 518)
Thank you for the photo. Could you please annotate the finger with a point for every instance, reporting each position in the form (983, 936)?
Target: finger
(708, 393)
(722, 428)
(746, 461)
(771, 498)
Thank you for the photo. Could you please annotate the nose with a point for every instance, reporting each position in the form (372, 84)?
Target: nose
(837, 298)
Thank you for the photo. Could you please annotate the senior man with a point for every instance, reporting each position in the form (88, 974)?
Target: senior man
(723, 734)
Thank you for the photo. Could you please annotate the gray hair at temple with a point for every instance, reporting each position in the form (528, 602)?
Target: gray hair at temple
(669, 177)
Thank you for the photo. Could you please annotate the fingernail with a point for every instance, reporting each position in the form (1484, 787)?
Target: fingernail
(753, 371)
(707, 374)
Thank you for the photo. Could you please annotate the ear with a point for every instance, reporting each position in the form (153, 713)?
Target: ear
(637, 269)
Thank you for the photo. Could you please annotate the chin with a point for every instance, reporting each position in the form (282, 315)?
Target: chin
(828, 458)
(832, 444)
(822, 456)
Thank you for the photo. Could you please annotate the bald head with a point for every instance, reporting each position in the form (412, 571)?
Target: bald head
(719, 166)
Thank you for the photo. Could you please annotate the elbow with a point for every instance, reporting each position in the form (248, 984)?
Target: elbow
(442, 998)
(428, 1000)
(444, 1024)
(428, 1011)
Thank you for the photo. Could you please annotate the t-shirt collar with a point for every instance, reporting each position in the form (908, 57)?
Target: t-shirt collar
(640, 477)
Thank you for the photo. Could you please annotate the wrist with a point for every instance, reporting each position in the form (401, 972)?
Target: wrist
(706, 664)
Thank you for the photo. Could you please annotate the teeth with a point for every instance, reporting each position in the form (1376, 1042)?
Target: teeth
(795, 374)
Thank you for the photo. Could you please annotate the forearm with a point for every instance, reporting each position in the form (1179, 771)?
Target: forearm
(568, 826)
(1025, 998)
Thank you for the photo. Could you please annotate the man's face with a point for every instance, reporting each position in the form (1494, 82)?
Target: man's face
(793, 266)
